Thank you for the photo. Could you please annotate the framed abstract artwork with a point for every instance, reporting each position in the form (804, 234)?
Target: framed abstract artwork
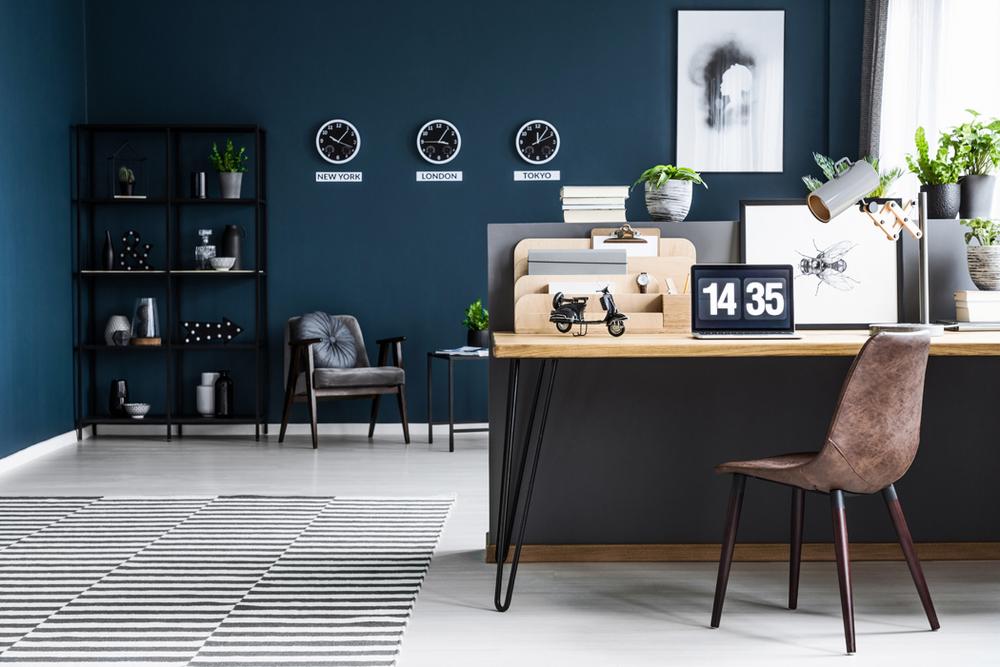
(730, 90)
(846, 271)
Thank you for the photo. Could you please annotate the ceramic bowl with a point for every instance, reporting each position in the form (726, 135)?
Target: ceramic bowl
(222, 263)
(136, 410)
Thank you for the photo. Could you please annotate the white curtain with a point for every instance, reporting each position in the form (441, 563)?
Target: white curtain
(941, 58)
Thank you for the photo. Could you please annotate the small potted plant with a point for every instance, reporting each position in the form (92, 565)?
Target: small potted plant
(126, 182)
(983, 258)
(886, 178)
(938, 175)
(477, 321)
(977, 145)
(668, 191)
(230, 164)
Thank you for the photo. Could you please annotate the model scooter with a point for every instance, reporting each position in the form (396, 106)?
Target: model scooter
(569, 311)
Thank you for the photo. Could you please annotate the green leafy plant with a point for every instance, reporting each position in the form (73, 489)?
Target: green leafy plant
(126, 175)
(943, 168)
(977, 144)
(886, 179)
(657, 176)
(983, 230)
(477, 318)
(229, 160)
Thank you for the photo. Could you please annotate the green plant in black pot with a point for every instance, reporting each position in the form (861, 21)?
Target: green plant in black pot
(669, 191)
(126, 181)
(231, 164)
(886, 178)
(938, 175)
(477, 321)
(977, 146)
(983, 256)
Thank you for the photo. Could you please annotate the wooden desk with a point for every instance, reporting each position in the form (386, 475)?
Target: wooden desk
(551, 348)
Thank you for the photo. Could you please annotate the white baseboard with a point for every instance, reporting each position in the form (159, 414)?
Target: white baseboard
(388, 430)
(39, 449)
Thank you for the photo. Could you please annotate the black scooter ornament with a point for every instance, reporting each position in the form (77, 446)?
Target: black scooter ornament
(567, 311)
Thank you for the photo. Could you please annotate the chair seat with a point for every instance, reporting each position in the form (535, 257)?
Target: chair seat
(785, 469)
(371, 376)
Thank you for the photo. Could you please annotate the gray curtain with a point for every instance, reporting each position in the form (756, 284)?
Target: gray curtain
(872, 61)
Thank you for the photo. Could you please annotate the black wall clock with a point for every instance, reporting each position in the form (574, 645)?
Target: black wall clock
(537, 141)
(338, 141)
(439, 141)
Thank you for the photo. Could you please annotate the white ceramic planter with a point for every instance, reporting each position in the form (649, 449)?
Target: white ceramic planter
(670, 202)
(984, 266)
(230, 182)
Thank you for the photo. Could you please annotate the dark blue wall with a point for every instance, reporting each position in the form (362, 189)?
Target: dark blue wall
(41, 95)
(405, 258)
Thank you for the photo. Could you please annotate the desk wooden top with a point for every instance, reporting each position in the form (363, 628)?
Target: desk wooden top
(812, 344)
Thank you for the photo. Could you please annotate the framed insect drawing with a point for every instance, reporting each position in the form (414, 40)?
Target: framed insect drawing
(846, 272)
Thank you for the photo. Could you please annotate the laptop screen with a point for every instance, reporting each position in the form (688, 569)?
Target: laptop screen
(742, 297)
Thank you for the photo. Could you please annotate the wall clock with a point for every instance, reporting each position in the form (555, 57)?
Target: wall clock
(537, 141)
(338, 141)
(439, 141)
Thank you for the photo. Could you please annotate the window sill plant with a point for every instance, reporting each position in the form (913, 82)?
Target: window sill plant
(938, 175)
(669, 191)
(984, 257)
(231, 164)
(977, 145)
(477, 321)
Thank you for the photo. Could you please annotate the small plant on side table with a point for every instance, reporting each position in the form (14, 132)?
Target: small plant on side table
(984, 257)
(938, 175)
(669, 191)
(231, 164)
(477, 321)
(126, 181)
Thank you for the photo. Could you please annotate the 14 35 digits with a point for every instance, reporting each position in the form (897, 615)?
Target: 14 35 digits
(749, 298)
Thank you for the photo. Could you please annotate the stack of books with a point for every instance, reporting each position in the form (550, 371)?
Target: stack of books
(594, 203)
(977, 306)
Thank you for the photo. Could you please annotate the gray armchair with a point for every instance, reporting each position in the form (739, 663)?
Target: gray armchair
(306, 383)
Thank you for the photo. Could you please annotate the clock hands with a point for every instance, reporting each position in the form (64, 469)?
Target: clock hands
(540, 138)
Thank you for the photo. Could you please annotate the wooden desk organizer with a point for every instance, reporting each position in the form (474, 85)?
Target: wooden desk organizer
(653, 312)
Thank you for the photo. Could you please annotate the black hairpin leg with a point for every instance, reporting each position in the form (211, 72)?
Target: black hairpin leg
(507, 513)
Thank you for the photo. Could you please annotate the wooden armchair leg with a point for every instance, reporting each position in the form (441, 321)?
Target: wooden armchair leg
(728, 545)
(374, 416)
(401, 397)
(843, 566)
(906, 543)
(795, 546)
(293, 377)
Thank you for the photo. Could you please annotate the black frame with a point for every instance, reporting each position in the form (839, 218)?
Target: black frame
(802, 202)
(725, 267)
(87, 343)
(450, 358)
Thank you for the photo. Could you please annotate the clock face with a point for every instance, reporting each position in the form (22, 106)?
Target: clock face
(537, 141)
(439, 141)
(338, 141)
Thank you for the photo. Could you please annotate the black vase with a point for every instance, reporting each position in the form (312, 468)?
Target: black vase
(108, 252)
(478, 338)
(118, 397)
(224, 395)
(977, 196)
(232, 244)
(942, 200)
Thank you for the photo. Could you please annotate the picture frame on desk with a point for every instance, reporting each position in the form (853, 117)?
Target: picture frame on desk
(847, 274)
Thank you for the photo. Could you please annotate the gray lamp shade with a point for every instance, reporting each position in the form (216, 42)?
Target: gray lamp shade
(836, 196)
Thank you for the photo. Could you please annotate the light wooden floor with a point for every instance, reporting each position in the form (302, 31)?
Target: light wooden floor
(563, 614)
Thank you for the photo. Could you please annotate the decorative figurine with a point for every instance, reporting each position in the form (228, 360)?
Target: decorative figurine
(567, 311)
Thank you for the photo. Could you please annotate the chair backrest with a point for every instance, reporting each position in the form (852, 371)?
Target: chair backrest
(875, 430)
(352, 325)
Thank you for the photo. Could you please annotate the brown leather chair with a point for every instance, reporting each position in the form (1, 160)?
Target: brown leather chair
(871, 443)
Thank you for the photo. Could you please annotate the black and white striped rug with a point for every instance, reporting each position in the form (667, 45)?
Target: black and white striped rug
(224, 580)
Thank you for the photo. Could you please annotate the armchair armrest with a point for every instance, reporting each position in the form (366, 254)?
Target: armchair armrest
(394, 339)
(397, 350)
(305, 342)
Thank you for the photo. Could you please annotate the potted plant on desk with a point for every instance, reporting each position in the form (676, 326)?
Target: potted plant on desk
(984, 258)
(477, 321)
(938, 175)
(977, 146)
(668, 191)
(230, 164)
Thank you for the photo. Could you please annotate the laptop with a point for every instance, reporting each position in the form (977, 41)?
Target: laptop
(741, 301)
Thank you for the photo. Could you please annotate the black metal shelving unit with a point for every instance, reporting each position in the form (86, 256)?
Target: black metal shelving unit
(89, 202)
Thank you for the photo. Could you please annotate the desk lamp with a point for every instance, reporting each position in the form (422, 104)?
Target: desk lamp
(853, 181)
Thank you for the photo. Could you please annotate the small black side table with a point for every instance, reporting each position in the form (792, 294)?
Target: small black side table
(450, 358)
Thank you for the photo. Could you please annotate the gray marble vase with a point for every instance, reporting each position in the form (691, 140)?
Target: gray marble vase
(984, 266)
(670, 202)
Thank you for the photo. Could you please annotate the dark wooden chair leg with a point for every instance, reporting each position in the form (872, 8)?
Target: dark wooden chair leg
(795, 546)
(374, 416)
(401, 399)
(293, 376)
(843, 565)
(906, 543)
(728, 544)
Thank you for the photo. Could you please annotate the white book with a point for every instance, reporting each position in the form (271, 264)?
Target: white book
(620, 191)
(977, 312)
(609, 202)
(606, 215)
(593, 207)
(977, 296)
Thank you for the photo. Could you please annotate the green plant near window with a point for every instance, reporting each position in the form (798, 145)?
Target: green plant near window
(126, 175)
(944, 168)
(977, 144)
(886, 178)
(230, 160)
(657, 176)
(477, 318)
(983, 230)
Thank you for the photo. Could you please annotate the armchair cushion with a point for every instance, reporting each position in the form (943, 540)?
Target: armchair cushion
(337, 347)
(377, 376)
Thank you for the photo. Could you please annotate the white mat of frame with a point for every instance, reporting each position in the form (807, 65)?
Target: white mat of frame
(225, 580)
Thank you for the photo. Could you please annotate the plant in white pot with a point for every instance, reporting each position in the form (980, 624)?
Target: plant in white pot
(984, 258)
(668, 191)
(977, 147)
(231, 164)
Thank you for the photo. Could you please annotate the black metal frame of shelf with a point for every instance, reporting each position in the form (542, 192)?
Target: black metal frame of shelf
(85, 347)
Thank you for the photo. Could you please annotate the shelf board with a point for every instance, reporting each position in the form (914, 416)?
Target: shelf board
(160, 420)
(235, 347)
(92, 272)
(198, 419)
(111, 201)
(119, 348)
(213, 272)
(214, 346)
(210, 201)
